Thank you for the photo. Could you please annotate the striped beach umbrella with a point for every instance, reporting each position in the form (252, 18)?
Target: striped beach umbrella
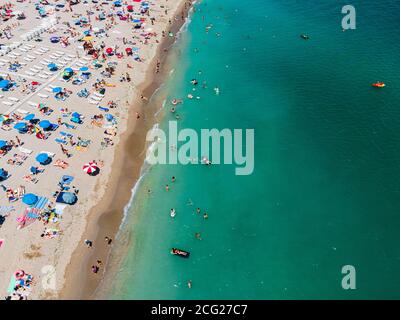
(90, 168)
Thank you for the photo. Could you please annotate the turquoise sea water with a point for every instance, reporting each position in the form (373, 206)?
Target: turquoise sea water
(325, 190)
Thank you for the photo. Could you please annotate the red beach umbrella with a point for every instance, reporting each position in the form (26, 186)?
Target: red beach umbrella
(90, 168)
(129, 8)
(109, 50)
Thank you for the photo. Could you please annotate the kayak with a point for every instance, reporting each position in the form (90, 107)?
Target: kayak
(378, 84)
(181, 253)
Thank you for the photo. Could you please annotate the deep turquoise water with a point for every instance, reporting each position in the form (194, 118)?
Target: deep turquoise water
(325, 189)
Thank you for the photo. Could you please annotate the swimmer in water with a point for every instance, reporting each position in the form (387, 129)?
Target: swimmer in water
(189, 284)
(167, 187)
(194, 82)
(172, 213)
(205, 215)
(197, 235)
(172, 110)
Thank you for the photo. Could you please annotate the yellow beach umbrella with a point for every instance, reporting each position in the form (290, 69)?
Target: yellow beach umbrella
(87, 38)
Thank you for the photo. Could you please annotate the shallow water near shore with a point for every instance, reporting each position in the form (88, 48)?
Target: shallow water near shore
(325, 189)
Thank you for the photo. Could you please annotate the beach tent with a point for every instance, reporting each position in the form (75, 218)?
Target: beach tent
(67, 197)
(29, 199)
(45, 124)
(3, 143)
(43, 158)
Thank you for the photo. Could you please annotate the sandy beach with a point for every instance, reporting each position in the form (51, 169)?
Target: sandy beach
(69, 160)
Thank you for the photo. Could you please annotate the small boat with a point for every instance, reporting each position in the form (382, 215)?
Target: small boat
(179, 252)
(304, 36)
(378, 84)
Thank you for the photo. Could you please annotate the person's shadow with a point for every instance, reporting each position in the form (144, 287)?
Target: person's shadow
(2, 220)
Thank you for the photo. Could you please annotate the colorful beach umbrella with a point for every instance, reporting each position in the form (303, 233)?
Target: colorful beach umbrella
(29, 199)
(90, 168)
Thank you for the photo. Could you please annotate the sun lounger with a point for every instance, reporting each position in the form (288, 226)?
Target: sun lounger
(53, 56)
(22, 111)
(33, 104)
(30, 57)
(58, 140)
(70, 56)
(7, 103)
(33, 70)
(43, 76)
(93, 97)
(5, 60)
(94, 102)
(17, 54)
(47, 60)
(12, 56)
(29, 73)
(27, 59)
(38, 67)
(45, 96)
(48, 73)
(13, 99)
(24, 150)
(48, 89)
(23, 50)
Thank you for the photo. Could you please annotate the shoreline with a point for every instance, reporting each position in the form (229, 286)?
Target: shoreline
(105, 217)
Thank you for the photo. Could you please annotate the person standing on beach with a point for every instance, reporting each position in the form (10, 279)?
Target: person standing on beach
(88, 243)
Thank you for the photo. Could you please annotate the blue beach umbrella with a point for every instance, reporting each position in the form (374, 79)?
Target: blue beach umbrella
(57, 90)
(4, 83)
(84, 69)
(76, 115)
(43, 158)
(3, 174)
(3, 143)
(20, 126)
(29, 117)
(29, 199)
(45, 124)
(52, 66)
(68, 70)
(67, 197)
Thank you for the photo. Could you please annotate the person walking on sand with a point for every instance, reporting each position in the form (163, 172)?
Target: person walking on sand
(108, 240)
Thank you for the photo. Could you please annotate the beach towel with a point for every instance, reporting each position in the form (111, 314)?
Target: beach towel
(59, 208)
(41, 203)
(4, 210)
